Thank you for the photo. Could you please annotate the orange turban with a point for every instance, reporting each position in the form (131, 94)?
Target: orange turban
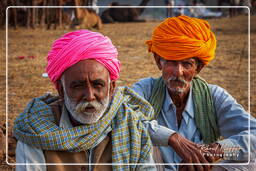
(183, 37)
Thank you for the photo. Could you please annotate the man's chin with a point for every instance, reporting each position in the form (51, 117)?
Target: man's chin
(177, 90)
(85, 118)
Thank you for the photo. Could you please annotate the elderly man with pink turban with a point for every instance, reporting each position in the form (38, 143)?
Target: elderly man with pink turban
(206, 124)
(92, 121)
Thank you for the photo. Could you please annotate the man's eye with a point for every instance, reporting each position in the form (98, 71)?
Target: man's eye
(77, 86)
(98, 85)
(187, 64)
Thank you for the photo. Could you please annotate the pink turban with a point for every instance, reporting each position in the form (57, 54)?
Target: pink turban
(80, 45)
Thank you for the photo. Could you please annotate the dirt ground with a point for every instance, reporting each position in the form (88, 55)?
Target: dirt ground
(230, 68)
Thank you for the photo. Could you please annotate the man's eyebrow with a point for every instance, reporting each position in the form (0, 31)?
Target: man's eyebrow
(77, 82)
(99, 81)
(189, 60)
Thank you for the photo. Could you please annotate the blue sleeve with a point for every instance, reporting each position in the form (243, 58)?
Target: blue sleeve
(233, 122)
(144, 87)
(159, 134)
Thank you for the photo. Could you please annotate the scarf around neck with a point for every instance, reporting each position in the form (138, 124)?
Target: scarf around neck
(205, 116)
(130, 139)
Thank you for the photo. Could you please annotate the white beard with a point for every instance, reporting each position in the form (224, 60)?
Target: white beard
(78, 113)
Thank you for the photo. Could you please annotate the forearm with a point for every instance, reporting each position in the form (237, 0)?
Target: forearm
(234, 124)
(237, 147)
(159, 134)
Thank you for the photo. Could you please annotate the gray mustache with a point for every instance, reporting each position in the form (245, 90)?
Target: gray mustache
(82, 105)
(177, 79)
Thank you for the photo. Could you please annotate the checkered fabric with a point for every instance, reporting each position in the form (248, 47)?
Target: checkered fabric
(130, 140)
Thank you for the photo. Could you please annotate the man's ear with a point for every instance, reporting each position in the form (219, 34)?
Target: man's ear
(158, 61)
(112, 87)
(60, 89)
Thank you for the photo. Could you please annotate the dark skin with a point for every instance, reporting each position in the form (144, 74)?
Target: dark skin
(189, 151)
(86, 80)
(185, 69)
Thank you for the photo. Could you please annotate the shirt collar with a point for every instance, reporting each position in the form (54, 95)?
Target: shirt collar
(64, 119)
(188, 110)
(168, 103)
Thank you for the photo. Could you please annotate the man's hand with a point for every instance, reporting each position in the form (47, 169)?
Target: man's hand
(214, 150)
(191, 152)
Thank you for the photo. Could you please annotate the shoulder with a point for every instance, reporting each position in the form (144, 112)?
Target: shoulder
(216, 89)
(225, 103)
(133, 102)
(219, 94)
(144, 87)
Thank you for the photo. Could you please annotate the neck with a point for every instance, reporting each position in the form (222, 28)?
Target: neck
(179, 99)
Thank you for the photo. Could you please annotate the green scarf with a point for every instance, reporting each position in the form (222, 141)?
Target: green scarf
(130, 139)
(205, 116)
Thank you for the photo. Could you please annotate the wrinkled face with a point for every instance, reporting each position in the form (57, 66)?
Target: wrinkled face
(177, 74)
(86, 89)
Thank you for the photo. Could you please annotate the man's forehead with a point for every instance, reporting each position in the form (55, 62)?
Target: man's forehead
(182, 60)
(86, 68)
(187, 59)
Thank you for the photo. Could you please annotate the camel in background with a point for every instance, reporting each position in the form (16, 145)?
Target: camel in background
(86, 18)
(34, 14)
(123, 14)
(55, 16)
(51, 17)
(34, 17)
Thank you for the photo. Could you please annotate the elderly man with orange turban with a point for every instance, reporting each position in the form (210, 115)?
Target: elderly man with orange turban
(92, 121)
(206, 124)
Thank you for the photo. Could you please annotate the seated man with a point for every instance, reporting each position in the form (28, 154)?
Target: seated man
(196, 112)
(91, 121)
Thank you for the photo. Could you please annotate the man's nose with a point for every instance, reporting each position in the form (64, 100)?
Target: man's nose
(89, 94)
(179, 70)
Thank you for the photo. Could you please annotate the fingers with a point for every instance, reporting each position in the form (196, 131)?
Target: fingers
(197, 167)
(200, 158)
(209, 157)
(197, 157)
(191, 152)
(191, 167)
(182, 168)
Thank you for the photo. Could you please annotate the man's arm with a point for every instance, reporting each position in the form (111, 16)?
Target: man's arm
(233, 122)
(26, 154)
(164, 136)
(159, 134)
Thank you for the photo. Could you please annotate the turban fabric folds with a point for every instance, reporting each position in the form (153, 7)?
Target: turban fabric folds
(183, 37)
(80, 45)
